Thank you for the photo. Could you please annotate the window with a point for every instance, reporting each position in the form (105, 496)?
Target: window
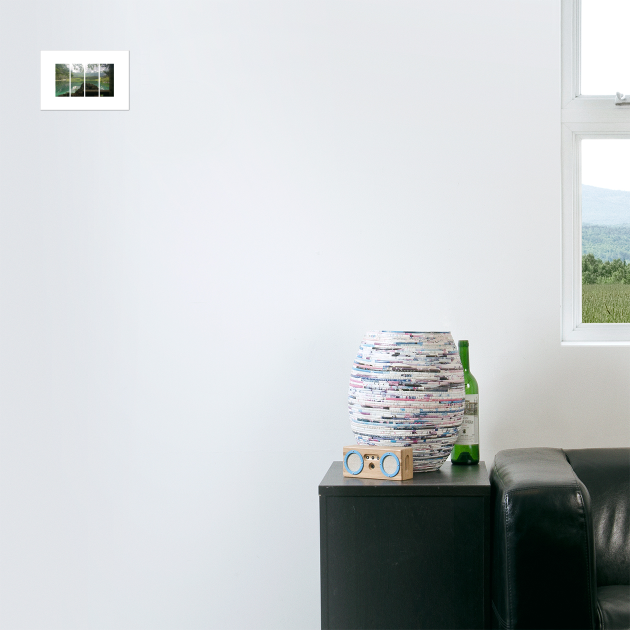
(595, 173)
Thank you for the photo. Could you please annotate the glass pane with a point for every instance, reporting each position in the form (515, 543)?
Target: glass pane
(76, 80)
(62, 79)
(107, 79)
(605, 231)
(605, 51)
(91, 79)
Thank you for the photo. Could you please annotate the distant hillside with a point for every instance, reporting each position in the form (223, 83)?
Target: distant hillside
(601, 206)
(606, 242)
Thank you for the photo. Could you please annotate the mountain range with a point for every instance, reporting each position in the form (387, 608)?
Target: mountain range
(605, 223)
(602, 206)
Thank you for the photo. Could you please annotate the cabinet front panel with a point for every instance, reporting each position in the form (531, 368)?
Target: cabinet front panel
(404, 562)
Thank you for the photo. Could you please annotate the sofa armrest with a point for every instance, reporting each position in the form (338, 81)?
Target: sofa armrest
(543, 566)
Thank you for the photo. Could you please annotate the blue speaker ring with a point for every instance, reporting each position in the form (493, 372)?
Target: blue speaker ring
(384, 456)
(345, 462)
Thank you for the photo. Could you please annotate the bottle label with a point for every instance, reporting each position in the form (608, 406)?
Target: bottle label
(469, 431)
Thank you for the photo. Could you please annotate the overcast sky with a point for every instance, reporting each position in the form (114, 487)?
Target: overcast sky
(605, 70)
(606, 163)
(605, 51)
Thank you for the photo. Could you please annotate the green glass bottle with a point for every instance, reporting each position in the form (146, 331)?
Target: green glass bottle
(466, 449)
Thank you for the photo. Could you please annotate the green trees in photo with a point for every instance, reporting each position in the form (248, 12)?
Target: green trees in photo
(76, 80)
(107, 79)
(91, 79)
(62, 79)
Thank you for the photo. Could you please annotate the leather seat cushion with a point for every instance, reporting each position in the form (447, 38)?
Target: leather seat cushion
(606, 474)
(613, 606)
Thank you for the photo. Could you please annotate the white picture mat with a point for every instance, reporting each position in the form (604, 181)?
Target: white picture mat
(120, 59)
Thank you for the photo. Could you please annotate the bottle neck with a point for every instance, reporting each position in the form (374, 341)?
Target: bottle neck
(463, 354)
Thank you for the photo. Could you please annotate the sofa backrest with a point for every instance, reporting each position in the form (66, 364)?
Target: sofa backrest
(606, 474)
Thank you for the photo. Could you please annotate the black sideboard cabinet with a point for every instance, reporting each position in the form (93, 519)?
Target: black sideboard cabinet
(406, 554)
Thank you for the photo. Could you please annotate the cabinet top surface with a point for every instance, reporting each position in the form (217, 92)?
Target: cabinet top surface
(449, 480)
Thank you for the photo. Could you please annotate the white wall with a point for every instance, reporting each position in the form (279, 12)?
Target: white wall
(183, 286)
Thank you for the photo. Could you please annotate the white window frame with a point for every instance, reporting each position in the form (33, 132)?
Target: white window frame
(582, 117)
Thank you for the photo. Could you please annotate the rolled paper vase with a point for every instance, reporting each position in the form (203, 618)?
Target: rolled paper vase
(407, 389)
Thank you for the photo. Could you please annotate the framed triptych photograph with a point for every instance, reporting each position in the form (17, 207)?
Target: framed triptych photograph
(82, 79)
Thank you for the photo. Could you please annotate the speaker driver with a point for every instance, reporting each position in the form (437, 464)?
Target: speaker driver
(390, 464)
(353, 462)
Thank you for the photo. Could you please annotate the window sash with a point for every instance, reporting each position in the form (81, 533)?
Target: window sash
(582, 117)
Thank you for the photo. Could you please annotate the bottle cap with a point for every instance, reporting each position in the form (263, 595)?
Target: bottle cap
(463, 342)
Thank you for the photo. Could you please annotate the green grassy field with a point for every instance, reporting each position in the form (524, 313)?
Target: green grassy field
(605, 303)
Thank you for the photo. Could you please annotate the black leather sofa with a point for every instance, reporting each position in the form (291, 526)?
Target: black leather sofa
(561, 540)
